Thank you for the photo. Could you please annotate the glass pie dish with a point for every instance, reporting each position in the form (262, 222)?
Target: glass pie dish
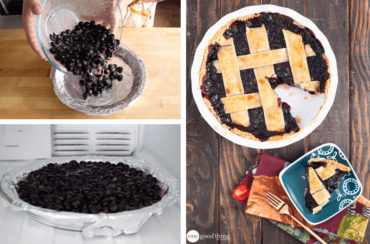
(101, 224)
(57, 16)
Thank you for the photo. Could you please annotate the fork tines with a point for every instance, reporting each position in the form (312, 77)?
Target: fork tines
(273, 200)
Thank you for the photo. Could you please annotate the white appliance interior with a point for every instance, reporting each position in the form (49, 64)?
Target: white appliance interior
(18, 142)
(159, 145)
(106, 140)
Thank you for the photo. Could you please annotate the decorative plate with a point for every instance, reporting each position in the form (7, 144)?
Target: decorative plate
(293, 179)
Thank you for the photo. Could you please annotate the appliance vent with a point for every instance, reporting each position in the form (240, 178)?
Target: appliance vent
(109, 140)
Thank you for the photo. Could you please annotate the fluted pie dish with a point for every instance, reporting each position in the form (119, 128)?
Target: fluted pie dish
(256, 73)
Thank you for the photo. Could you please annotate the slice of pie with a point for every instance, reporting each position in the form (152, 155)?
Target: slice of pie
(323, 178)
(247, 59)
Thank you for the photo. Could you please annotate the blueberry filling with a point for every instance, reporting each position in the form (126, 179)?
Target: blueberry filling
(333, 182)
(89, 187)
(310, 202)
(316, 164)
(330, 184)
(85, 51)
(212, 84)
(258, 125)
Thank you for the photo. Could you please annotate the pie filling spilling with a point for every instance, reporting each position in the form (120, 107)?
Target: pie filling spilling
(250, 60)
(323, 178)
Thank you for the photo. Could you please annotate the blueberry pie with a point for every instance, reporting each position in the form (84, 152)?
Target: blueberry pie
(247, 59)
(323, 178)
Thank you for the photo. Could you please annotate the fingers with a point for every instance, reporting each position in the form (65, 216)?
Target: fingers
(31, 8)
(31, 34)
(36, 7)
(113, 22)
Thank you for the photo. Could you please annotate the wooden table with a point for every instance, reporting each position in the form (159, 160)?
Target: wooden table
(214, 165)
(27, 93)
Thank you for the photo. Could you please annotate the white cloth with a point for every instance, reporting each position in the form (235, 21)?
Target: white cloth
(132, 18)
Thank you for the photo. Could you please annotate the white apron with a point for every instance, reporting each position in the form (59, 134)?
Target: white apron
(139, 14)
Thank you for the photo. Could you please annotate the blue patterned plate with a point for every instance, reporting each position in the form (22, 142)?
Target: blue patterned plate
(293, 179)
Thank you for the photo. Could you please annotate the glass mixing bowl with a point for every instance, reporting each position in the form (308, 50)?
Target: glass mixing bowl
(59, 15)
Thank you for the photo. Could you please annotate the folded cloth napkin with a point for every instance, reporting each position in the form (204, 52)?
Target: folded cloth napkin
(349, 226)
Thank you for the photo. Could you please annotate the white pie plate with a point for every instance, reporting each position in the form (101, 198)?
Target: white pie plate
(298, 99)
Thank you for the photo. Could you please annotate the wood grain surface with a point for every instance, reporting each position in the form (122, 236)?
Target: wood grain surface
(27, 93)
(360, 90)
(215, 165)
(202, 178)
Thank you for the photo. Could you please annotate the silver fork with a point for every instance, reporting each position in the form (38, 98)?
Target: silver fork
(283, 208)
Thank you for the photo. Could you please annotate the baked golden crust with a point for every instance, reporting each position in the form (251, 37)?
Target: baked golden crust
(274, 117)
(314, 181)
(240, 102)
(329, 169)
(317, 188)
(220, 39)
(318, 208)
(269, 57)
(316, 175)
(321, 197)
(232, 80)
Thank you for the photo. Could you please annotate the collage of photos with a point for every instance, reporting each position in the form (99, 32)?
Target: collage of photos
(81, 160)
(184, 121)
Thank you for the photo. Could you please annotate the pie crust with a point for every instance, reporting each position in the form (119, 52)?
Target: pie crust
(320, 186)
(329, 169)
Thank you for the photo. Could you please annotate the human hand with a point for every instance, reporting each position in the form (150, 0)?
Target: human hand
(31, 10)
(108, 15)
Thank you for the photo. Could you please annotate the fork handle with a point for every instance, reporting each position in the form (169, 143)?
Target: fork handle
(309, 230)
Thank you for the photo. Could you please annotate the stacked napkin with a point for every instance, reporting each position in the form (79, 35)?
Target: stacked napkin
(349, 226)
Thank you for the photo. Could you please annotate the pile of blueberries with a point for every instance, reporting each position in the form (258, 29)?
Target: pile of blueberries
(89, 187)
(85, 51)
